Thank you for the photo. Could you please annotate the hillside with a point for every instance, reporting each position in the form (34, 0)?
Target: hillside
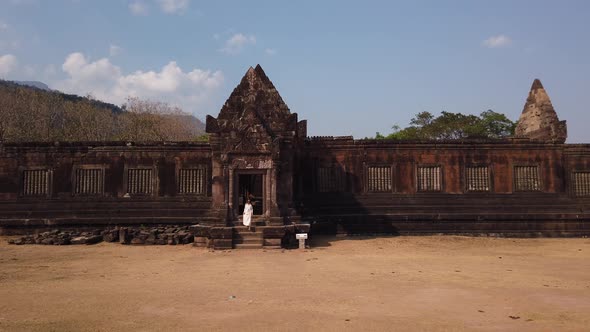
(34, 84)
(35, 114)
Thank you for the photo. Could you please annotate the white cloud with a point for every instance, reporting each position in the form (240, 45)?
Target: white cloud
(114, 50)
(173, 6)
(497, 41)
(192, 91)
(270, 51)
(3, 26)
(138, 8)
(236, 43)
(8, 63)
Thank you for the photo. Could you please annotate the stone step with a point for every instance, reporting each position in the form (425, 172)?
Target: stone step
(247, 246)
(245, 230)
(238, 223)
(249, 236)
(248, 241)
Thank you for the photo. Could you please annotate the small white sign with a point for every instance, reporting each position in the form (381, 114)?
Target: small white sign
(302, 236)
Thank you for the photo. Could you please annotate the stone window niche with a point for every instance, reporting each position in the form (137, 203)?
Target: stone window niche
(140, 181)
(379, 179)
(581, 183)
(526, 178)
(35, 182)
(192, 181)
(429, 178)
(477, 179)
(88, 181)
(330, 179)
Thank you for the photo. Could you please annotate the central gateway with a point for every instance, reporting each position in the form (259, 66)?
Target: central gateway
(251, 186)
(254, 142)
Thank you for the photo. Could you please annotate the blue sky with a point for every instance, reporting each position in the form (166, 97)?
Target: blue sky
(348, 67)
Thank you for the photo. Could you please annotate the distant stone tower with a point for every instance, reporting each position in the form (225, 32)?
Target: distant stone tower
(539, 120)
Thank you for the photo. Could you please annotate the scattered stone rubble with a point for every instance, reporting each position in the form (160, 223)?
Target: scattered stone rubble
(164, 235)
(222, 238)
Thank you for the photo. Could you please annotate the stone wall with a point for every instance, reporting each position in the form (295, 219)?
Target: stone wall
(551, 209)
(556, 207)
(113, 202)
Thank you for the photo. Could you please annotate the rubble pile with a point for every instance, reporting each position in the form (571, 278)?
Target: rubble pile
(164, 235)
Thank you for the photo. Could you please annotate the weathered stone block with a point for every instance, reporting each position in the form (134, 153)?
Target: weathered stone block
(93, 239)
(137, 241)
(199, 230)
(188, 238)
(62, 241)
(221, 232)
(110, 236)
(48, 241)
(78, 240)
(222, 244)
(124, 236)
(201, 242)
(274, 232)
(272, 242)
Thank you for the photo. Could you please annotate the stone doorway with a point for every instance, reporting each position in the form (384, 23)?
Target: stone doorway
(251, 185)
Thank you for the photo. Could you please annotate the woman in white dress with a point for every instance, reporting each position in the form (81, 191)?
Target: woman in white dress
(248, 210)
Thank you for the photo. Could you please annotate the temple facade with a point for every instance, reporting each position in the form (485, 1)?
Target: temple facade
(532, 184)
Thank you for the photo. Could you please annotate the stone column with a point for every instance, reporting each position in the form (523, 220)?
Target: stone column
(230, 201)
(275, 215)
(267, 185)
(273, 188)
(224, 188)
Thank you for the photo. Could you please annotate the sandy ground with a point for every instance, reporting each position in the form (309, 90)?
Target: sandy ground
(392, 283)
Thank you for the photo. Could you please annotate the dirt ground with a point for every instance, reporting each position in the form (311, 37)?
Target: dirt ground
(343, 284)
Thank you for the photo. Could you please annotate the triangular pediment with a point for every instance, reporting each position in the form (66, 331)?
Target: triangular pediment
(255, 101)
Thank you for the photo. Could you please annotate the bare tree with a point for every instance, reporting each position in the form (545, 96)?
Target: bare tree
(28, 114)
(147, 120)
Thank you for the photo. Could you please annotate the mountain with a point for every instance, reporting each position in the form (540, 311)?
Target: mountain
(34, 84)
(44, 90)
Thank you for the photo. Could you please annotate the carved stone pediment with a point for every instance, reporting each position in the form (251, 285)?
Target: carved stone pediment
(253, 117)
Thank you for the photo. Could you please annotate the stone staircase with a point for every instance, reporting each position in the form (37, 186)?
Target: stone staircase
(243, 238)
(253, 238)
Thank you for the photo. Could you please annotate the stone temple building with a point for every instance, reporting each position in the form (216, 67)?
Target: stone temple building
(533, 184)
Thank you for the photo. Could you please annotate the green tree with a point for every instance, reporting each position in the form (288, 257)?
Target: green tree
(448, 126)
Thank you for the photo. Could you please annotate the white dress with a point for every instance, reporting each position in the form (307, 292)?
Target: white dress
(247, 214)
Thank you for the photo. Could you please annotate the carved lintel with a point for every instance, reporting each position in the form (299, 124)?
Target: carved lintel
(251, 163)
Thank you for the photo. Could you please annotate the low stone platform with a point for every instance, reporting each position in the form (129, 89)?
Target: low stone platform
(220, 238)
(240, 237)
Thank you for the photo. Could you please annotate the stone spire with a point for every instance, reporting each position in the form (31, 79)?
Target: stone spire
(539, 120)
